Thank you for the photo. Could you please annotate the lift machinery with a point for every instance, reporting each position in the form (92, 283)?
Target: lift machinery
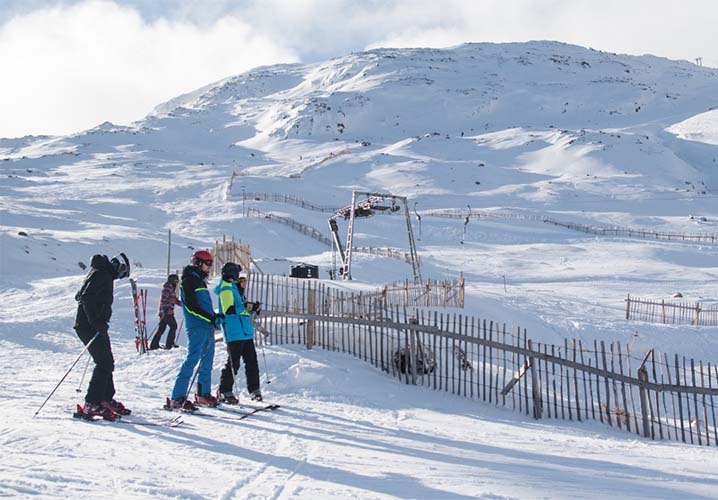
(367, 207)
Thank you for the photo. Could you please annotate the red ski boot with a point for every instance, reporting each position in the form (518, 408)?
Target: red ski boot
(207, 400)
(92, 410)
(116, 406)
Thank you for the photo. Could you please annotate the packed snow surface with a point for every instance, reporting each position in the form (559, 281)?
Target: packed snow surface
(538, 129)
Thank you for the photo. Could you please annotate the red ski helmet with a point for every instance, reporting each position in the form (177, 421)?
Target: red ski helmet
(201, 257)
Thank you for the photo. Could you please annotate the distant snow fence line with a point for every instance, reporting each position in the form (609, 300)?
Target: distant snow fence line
(312, 232)
(458, 214)
(601, 231)
(653, 395)
(671, 313)
(291, 200)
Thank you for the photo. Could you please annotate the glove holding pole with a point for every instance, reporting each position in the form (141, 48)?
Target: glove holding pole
(255, 307)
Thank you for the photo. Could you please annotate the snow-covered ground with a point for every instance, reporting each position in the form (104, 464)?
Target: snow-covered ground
(540, 128)
(343, 431)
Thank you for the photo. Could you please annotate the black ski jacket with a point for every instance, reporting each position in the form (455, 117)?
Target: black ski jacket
(94, 300)
(196, 300)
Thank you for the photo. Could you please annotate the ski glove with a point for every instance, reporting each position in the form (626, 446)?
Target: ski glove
(218, 321)
(257, 308)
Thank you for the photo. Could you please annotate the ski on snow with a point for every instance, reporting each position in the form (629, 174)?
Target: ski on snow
(121, 419)
(229, 413)
(244, 414)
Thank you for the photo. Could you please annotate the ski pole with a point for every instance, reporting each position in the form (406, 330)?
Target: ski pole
(234, 372)
(87, 346)
(79, 386)
(264, 355)
(179, 330)
(154, 332)
(143, 294)
(265, 364)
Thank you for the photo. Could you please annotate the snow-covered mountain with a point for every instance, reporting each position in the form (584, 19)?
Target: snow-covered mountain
(539, 128)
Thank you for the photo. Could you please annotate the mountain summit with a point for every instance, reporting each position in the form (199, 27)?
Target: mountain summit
(543, 127)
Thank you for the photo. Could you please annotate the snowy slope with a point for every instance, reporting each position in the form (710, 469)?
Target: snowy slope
(539, 128)
(344, 431)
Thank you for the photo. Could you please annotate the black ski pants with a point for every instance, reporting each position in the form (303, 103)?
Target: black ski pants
(236, 350)
(102, 386)
(167, 320)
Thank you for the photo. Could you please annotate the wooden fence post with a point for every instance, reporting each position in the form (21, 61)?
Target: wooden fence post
(643, 392)
(628, 306)
(697, 320)
(535, 386)
(643, 377)
(413, 350)
(311, 309)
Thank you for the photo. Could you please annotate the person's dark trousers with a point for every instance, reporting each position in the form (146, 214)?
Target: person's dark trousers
(167, 320)
(102, 387)
(243, 349)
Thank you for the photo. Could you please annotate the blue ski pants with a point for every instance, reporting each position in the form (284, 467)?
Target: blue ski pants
(200, 348)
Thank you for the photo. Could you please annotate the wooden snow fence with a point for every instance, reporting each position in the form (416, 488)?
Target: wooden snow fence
(671, 313)
(624, 232)
(459, 214)
(652, 395)
(289, 199)
(230, 250)
(636, 233)
(305, 229)
(430, 293)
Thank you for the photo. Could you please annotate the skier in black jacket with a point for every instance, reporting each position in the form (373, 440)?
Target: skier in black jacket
(201, 321)
(94, 309)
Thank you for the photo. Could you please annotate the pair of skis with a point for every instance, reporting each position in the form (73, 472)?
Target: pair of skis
(124, 419)
(139, 301)
(233, 413)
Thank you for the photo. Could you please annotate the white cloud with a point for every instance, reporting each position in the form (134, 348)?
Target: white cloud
(677, 30)
(67, 68)
(326, 28)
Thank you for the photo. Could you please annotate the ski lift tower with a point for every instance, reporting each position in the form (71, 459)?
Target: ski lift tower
(366, 208)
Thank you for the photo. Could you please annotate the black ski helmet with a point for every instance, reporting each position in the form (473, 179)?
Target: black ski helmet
(120, 266)
(173, 278)
(231, 270)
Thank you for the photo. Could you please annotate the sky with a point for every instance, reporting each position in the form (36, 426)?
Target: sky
(69, 65)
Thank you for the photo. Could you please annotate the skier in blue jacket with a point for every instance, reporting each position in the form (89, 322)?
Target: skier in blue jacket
(238, 335)
(200, 321)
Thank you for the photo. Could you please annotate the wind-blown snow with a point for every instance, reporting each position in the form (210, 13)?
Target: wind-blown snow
(540, 128)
